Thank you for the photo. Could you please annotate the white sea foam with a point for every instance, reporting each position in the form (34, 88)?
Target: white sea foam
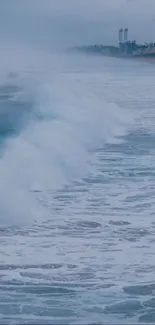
(71, 118)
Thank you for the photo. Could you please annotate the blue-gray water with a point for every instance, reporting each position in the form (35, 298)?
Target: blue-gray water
(77, 193)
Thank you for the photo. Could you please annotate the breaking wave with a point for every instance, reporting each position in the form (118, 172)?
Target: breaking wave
(50, 139)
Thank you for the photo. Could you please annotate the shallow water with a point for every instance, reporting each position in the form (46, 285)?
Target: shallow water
(77, 195)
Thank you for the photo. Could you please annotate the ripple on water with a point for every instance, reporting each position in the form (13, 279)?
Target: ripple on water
(148, 317)
(119, 223)
(128, 307)
(149, 303)
(140, 290)
(88, 224)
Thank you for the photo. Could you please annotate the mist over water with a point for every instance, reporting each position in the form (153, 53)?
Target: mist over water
(52, 130)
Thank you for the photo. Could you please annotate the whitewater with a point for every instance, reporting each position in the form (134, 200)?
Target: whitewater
(77, 169)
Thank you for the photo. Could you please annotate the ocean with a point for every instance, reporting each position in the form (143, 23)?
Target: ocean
(77, 191)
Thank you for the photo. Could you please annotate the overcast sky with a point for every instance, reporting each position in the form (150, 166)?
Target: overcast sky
(70, 22)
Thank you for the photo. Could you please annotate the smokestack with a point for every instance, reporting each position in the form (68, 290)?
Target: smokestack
(125, 34)
(120, 35)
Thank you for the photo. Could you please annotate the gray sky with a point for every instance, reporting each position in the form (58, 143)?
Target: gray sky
(70, 22)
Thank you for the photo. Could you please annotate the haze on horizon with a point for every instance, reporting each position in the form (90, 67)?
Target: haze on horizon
(49, 23)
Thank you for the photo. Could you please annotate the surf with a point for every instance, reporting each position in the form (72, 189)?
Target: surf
(69, 119)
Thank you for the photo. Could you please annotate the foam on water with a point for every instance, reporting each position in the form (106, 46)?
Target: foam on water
(81, 165)
(69, 120)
